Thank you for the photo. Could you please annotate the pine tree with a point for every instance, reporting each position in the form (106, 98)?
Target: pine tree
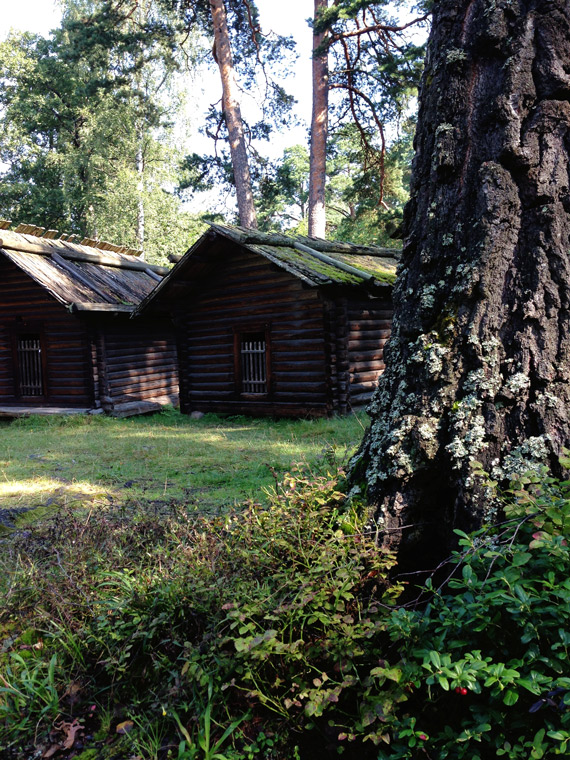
(476, 388)
(365, 70)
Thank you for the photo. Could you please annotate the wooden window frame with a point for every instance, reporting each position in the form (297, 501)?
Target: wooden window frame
(19, 332)
(239, 333)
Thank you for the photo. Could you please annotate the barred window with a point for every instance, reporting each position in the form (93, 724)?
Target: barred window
(30, 372)
(253, 362)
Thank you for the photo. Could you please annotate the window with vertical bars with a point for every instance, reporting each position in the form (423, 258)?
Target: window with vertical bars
(30, 371)
(253, 359)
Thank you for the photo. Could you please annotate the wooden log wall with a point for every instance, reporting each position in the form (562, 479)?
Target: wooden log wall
(137, 361)
(26, 307)
(369, 325)
(338, 365)
(248, 294)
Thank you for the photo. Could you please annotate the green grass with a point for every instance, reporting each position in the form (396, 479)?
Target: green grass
(161, 459)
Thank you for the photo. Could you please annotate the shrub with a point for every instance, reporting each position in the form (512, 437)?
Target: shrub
(486, 662)
(274, 633)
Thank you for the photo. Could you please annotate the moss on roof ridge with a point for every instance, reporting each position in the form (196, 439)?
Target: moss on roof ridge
(247, 236)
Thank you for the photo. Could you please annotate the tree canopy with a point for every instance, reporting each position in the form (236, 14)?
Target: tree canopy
(95, 149)
(365, 72)
(86, 136)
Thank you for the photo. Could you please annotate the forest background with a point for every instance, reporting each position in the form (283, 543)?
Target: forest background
(108, 136)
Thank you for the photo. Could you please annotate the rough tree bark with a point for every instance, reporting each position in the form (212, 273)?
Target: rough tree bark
(478, 367)
(232, 115)
(319, 133)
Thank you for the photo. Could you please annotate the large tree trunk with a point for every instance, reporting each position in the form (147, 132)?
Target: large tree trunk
(232, 115)
(319, 134)
(478, 367)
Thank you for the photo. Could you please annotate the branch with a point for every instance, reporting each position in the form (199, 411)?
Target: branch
(341, 211)
(352, 91)
(254, 31)
(385, 28)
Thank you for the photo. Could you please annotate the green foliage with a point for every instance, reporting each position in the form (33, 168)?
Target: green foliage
(358, 178)
(28, 692)
(86, 135)
(274, 632)
(487, 660)
(375, 61)
(352, 192)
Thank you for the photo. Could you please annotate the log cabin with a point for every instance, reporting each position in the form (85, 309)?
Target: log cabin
(67, 340)
(276, 325)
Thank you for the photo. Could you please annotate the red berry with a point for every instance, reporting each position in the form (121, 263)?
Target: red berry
(464, 691)
(458, 689)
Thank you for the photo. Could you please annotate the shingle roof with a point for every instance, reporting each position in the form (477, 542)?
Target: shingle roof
(316, 262)
(82, 277)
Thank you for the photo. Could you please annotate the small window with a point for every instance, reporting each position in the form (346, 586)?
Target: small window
(253, 362)
(30, 367)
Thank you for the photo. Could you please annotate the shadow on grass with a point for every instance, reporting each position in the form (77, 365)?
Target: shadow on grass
(152, 462)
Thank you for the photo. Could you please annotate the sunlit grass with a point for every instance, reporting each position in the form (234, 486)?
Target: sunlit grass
(207, 464)
(21, 491)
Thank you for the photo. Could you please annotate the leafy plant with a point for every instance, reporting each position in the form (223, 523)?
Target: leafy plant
(28, 694)
(203, 747)
(273, 631)
(486, 663)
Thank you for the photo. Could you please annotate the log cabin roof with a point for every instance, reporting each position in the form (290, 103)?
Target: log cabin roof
(83, 277)
(316, 262)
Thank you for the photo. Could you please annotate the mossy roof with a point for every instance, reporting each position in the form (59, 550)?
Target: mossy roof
(319, 262)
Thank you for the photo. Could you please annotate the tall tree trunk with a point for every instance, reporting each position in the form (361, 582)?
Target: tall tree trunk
(319, 133)
(142, 13)
(140, 192)
(478, 366)
(232, 115)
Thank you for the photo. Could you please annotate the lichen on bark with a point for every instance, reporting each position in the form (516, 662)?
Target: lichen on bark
(477, 369)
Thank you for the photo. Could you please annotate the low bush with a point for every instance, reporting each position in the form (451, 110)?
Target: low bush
(274, 633)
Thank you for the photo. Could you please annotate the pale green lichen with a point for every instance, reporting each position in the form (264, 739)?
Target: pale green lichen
(483, 381)
(442, 129)
(427, 298)
(458, 451)
(434, 360)
(550, 400)
(518, 382)
(490, 346)
(455, 55)
(427, 430)
(530, 457)
(428, 351)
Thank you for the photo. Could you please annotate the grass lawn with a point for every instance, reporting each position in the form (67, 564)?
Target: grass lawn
(159, 460)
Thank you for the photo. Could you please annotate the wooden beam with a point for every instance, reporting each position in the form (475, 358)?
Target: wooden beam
(153, 275)
(107, 307)
(76, 274)
(314, 244)
(75, 254)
